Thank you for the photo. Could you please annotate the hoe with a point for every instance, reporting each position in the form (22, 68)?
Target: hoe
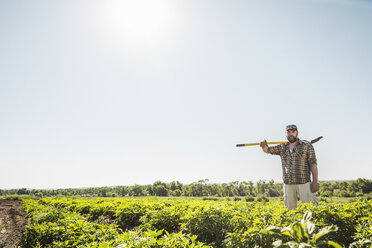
(277, 142)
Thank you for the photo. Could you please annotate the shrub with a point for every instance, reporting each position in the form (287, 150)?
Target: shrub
(262, 199)
(168, 219)
(302, 234)
(210, 225)
(210, 199)
(249, 199)
(129, 216)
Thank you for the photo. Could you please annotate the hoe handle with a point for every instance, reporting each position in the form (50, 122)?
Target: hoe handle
(257, 144)
(278, 142)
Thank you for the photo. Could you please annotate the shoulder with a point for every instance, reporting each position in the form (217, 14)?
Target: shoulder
(283, 145)
(306, 144)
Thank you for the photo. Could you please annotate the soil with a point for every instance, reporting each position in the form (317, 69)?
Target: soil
(12, 223)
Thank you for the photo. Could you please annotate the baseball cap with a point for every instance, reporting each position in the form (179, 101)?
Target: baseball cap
(291, 127)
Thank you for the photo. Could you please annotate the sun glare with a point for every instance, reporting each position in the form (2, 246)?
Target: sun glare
(138, 20)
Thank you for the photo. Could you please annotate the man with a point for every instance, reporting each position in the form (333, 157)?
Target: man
(298, 162)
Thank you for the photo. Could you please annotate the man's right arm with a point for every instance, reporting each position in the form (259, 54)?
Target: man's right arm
(274, 150)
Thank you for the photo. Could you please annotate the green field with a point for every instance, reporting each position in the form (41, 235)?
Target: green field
(156, 222)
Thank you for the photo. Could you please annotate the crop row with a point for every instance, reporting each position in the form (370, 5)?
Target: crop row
(55, 227)
(216, 223)
(211, 221)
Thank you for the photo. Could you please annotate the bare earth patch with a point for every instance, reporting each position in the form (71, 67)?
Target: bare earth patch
(12, 223)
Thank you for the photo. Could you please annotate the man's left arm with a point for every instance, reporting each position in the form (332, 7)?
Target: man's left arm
(314, 183)
(312, 161)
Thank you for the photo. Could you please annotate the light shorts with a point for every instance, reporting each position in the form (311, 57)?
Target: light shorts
(302, 191)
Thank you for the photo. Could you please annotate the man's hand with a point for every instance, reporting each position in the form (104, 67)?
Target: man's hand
(314, 187)
(264, 146)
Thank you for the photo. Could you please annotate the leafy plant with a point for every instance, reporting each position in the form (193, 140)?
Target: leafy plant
(210, 224)
(302, 234)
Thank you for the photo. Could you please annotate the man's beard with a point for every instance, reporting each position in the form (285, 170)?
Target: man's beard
(292, 139)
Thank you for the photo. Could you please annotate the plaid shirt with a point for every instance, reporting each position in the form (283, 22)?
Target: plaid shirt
(296, 165)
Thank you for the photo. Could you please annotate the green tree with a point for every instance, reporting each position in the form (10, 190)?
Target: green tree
(160, 190)
(136, 190)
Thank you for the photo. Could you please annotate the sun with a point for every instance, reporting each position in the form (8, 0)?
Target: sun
(138, 20)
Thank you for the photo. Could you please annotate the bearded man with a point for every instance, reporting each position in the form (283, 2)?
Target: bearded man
(298, 162)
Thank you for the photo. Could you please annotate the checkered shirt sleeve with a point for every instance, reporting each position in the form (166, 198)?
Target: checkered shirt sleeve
(274, 150)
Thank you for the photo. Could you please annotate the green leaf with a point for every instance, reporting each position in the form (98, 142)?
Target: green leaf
(298, 231)
(325, 231)
(287, 231)
(310, 227)
(158, 233)
(307, 216)
(304, 245)
(293, 244)
(103, 245)
(277, 243)
(334, 244)
(274, 229)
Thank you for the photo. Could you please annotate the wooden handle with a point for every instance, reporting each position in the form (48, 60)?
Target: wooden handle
(277, 142)
(257, 144)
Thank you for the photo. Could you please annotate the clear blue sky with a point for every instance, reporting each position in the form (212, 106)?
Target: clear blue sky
(97, 93)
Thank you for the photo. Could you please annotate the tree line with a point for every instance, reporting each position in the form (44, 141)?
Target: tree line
(203, 188)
